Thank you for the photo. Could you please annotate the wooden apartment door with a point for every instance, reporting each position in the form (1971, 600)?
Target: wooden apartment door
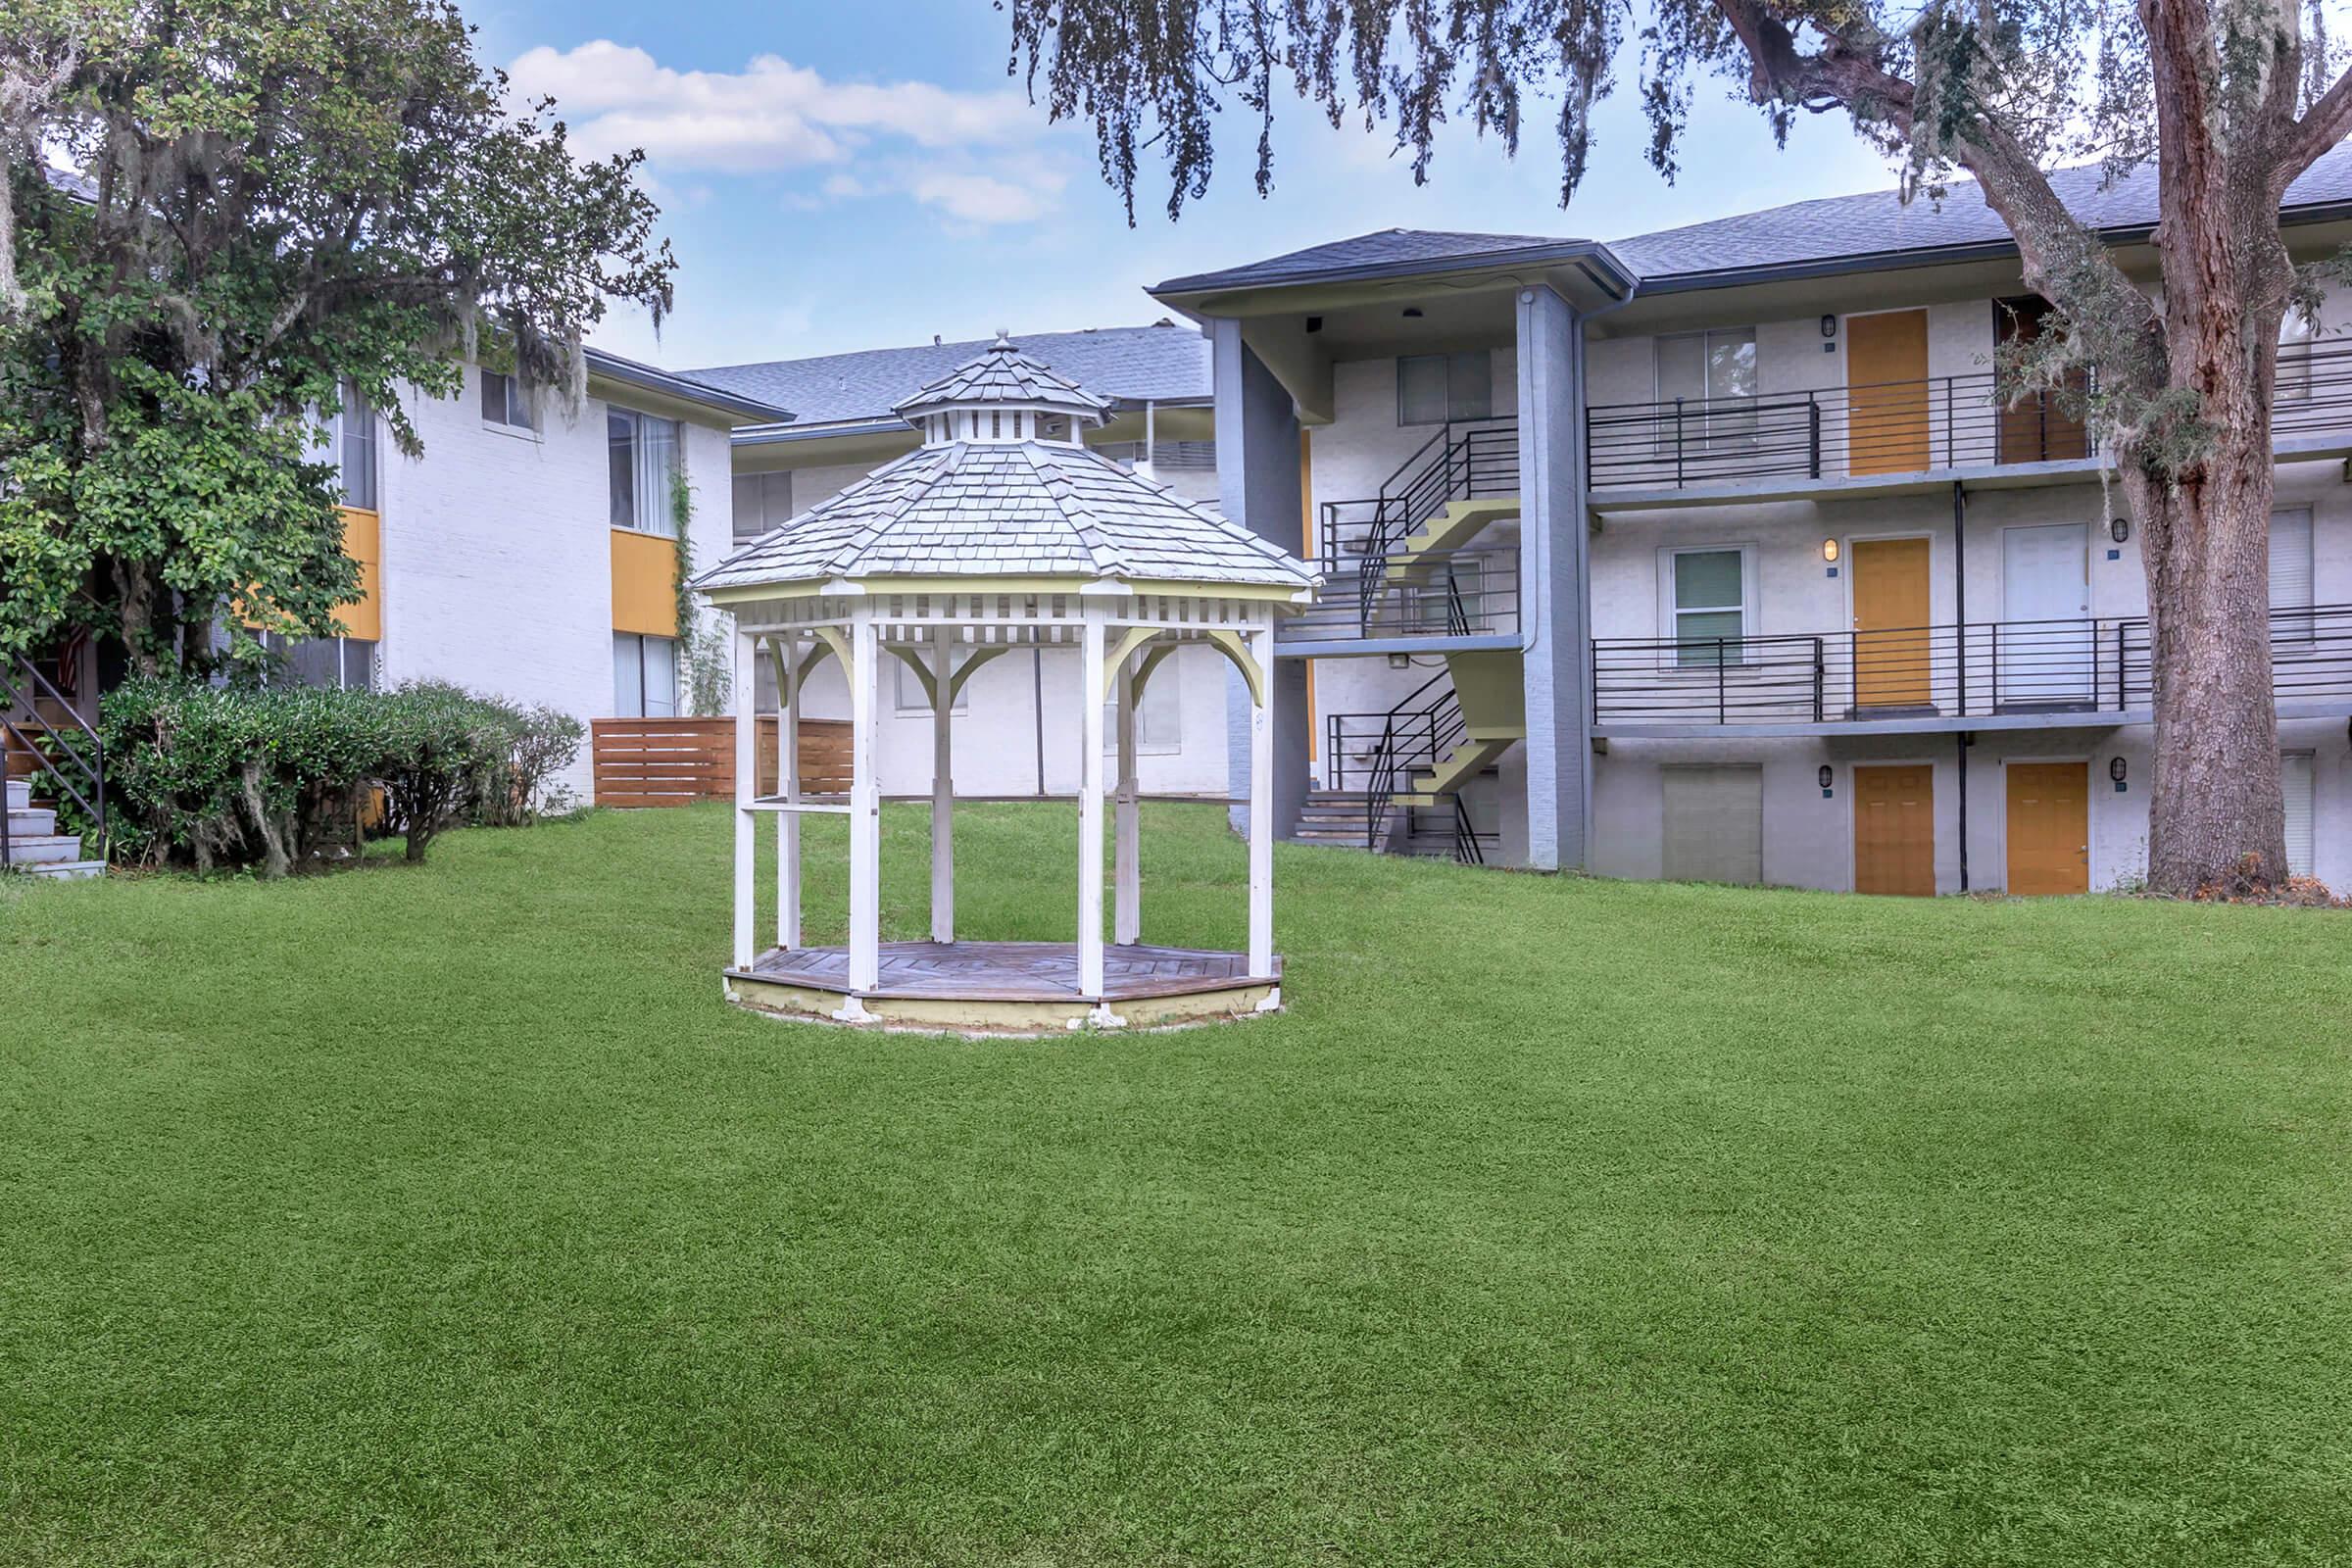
(2037, 429)
(2049, 827)
(1894, 831)
(1892, 644)
(1887, 424)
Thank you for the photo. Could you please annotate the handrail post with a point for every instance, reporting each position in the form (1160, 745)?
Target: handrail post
(1813, 434)
(1820, 679)
(2122, 695)
(1951, 453)
(7, 850)
(1678, 442)
(1721, 705)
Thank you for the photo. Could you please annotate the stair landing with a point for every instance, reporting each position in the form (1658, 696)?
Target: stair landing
(36, 847)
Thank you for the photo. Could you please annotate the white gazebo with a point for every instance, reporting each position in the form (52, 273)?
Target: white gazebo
(1001, 531)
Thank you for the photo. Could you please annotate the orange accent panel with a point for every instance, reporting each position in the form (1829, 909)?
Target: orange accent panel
(1894, 831)
(2049, 827)
(1891, 642)
(1886, 392)
(645, 589)
(363, 543)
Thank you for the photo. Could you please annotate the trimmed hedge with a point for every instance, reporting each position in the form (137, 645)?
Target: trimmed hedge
(277, 777)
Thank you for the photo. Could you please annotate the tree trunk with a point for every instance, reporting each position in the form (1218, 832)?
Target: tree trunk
(2217, 817)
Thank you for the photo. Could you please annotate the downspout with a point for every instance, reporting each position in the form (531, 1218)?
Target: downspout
(1960, 642)
(1037, 685)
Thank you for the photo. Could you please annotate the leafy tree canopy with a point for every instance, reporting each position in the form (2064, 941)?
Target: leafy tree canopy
(216, 215)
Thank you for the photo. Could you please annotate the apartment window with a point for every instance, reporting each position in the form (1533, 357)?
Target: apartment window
(763, 503)
(505, 401)
(1713, 375)
(2291, 577)
(1713, 820)
(1706, 604)
(345, 663)
(2294, 783)
(645, 676)
(1441, 388)
(354, 430)
(644, 452)
(906, 692)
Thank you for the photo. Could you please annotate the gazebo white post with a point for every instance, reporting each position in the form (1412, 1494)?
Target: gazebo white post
(866, 811)
(1260, 644)
(1090, 811)
(1127, 831)
(786, 653)
(746, 789)
(943, 789)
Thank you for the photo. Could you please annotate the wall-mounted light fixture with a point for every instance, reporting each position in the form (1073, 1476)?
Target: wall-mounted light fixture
(2115, 771)
(2120, 529)
(1829, 550)
(1826, 778)
(1412, 312)
(1314, 324)
(1400, 661)
(1829, 326)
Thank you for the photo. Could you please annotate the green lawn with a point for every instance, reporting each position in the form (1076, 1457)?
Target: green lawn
(446, 1215)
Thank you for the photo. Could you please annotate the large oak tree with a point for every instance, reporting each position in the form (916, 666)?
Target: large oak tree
(216, 215)
(2230, 100)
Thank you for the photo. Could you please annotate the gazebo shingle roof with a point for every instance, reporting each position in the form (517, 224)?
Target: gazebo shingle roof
(1031, 508)
(1004, 378)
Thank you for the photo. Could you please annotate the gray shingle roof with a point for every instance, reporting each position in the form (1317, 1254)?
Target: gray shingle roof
(1879, 224)
(1028, 509)
(1126, 363)
(1388, 247)
(1861, 228)
(1003, 375)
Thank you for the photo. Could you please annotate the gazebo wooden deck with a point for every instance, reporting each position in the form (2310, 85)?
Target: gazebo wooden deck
(1001, 531)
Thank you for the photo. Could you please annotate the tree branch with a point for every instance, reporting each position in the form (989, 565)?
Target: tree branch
(2326, 123)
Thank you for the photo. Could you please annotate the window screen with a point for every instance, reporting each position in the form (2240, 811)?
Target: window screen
(763, 502)
(1714, 823)
(1436, 388)
(1709, 604)
(2291, 577)
(645, 676)
(643, 455)
(2294, 782)
(504, 401)
(907, 695)
(355, 449)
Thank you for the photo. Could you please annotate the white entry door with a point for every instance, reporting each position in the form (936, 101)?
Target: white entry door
(2045, 648)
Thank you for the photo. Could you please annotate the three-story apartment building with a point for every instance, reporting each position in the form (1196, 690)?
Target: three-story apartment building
(1712, 553)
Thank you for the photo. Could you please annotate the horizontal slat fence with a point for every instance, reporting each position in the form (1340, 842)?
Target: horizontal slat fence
(676, 761)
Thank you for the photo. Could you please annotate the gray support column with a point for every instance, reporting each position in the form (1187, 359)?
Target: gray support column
(1257, 487)
(1555, 581)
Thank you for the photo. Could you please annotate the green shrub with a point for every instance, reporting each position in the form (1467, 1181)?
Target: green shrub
(277, 777)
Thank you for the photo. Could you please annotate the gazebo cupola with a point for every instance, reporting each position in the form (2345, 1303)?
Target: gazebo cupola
(1003, 396)
(1002, 531)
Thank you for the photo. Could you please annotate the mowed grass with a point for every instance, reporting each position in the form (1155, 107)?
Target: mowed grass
(446, 1215)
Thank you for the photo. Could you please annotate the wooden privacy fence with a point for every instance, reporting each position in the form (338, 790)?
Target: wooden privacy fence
(673, 762)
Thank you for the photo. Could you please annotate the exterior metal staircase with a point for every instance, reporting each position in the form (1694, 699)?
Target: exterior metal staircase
(1413, 762)
(45, 743)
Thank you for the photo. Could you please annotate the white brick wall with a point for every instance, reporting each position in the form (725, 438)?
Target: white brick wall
(497, 553)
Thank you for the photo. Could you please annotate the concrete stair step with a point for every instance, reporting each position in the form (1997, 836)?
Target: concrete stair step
(45, 849)
(67, 870)
(31, 822)
(20, 795)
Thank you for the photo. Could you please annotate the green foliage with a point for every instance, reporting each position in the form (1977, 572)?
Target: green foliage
(704, 644)
(277, 777)
(272, 203)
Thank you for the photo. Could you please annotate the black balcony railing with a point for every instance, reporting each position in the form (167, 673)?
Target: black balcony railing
(1468, 592)
(2089, 665)
(1895, 427)
(1457, 463)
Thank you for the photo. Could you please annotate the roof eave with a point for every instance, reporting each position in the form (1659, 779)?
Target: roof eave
(628, 372)
(1601, 268)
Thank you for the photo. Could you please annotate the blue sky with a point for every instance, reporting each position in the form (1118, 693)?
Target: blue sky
(843, 175)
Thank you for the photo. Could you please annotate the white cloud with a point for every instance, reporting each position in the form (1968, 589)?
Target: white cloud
(975, 198)
(771, 116)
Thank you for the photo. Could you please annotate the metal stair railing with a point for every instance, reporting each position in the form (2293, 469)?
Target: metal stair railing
(79, 777)
(1455, 464)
